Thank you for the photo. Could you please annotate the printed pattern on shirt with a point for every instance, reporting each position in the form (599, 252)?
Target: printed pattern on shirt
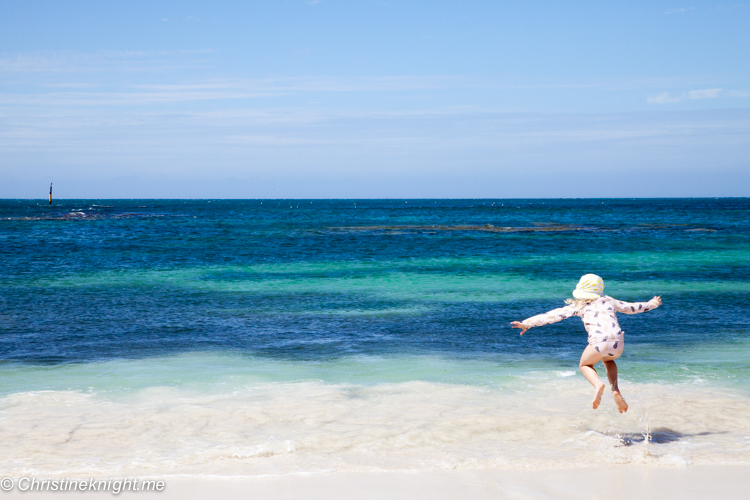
(599, 318)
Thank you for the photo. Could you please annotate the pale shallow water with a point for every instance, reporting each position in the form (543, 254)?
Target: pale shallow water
(245, 338)
(252, 419)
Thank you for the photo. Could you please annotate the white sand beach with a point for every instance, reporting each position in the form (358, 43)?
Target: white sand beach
(612, 482)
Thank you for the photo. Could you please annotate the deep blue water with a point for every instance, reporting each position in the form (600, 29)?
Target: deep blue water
(92, 280)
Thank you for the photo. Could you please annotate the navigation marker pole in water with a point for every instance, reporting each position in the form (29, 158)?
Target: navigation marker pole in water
(50, 193)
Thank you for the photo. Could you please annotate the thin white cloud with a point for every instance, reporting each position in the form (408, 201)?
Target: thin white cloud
(70, 61)
(319, 84)
(704, 94)
(124, 98)
(29, 68)
(667, 98)
(222, 90)
(272, 140)
(71, 85)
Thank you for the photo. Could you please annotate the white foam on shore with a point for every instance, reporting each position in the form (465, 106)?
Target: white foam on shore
(311, 426)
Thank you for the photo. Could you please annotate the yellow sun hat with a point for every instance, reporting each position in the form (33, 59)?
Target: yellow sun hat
(590, 286)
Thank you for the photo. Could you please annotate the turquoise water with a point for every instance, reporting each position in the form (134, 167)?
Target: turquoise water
(308, 284)
(287, 336)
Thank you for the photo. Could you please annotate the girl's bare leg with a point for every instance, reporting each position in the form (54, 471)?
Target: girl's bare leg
(611, 367)
(589, 358)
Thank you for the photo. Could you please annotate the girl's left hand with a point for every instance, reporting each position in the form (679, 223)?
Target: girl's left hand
(518, 324)
(657, 299)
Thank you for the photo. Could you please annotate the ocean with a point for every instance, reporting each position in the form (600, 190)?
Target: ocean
(272, 337)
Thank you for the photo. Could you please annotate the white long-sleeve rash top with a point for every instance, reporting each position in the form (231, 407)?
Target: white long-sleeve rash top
(599, 316)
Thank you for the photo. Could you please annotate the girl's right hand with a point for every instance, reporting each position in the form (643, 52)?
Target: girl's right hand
(518, 324)
(657, 299)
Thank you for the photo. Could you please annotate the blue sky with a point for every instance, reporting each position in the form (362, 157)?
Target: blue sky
(363, 99)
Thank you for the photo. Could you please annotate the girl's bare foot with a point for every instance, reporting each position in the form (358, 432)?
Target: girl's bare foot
(598, 397)
(622, 406)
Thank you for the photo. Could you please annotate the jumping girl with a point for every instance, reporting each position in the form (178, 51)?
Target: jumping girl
(606, 340)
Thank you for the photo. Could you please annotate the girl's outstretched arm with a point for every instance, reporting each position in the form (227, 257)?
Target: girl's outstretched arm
(636, 307)
(553, 316)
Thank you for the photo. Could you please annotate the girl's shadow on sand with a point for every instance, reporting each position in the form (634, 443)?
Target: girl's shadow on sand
(661, 435)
